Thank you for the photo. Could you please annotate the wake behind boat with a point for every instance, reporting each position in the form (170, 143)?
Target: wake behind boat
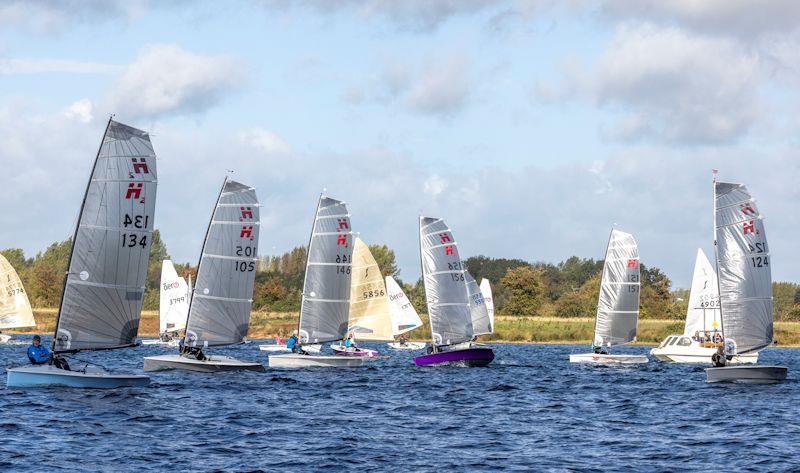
(104, 286)
(219, 308)
(618, 303)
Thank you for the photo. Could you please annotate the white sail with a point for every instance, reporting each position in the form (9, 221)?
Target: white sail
(370, 316)
(743, 265)
(404, 317)
(486, 290)
(15, 309)
(703, 311)
(618, 301)
(477, 307)
(173, 306)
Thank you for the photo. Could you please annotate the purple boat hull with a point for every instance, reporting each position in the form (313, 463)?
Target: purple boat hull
(467, 356)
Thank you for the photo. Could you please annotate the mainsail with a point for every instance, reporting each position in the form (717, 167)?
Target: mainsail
(479, 312)
(219, 309)
(174, 301)
(618, 302)
(743, 266)
(325, 305)
(404, 317)
(703, 311)
(102, 300)
(445, 286)
(486, 289)
(370, 317)
(15, 309)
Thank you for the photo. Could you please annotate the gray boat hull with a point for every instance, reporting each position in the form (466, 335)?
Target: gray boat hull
(747, 374)
(212, 364)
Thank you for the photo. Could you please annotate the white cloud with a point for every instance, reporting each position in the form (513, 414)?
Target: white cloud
(80, 111)
(168, 80)
(46, 66)
(52, 17)
(434, 185)
(264, 140)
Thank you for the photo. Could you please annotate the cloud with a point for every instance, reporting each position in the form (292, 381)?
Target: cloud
(264, 140)
(434, 185)
(671, 86)
(53, 17)
(48, 66)
(168, 80)
(80, 111)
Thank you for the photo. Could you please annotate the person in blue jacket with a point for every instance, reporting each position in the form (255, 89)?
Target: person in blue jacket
(38, 354)
(293, 343)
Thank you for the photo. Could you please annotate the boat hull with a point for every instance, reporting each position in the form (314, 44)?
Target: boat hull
(273, 348)
(751, 374)
(48, 375)
(151, 341)
(603, 359)
(213, 364)
(362, 352)
(693, 353)
(296, 360)
(407, 346)
(472, 357)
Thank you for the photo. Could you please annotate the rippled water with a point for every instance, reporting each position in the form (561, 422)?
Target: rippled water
(531, 409)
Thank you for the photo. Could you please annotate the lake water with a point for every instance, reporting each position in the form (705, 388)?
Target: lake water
(530, 410)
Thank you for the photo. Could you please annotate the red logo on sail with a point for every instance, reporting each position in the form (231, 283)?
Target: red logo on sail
(448, 250)
(247, 232)
(341, 240)
(749, 227)
(748, 209)
(140, 166)
(134, 191)
(247, 212)
(444, 237)
(632, 263)
(343, 224)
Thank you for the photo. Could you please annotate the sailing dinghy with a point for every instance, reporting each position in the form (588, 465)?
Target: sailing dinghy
(618, 303)
(325, 303)
(404, 317)
(450, 307)
(701, 334)
(15, 308)
(101, 302)
(745, 286)
(173, 307)
(219, 308)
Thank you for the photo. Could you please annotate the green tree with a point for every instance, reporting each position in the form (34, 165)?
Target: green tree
(527, 290)
(16, 257)
(385, 258)
(783, 296)
(581, 302)
(158, 253)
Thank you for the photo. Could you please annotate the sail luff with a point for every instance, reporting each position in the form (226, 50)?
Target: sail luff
(305, 271)
(422, 272)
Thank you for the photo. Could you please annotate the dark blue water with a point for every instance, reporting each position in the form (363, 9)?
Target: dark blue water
(530, 410)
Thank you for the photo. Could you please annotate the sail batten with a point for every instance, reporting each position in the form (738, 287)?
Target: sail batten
(618, 300)
(219, 309)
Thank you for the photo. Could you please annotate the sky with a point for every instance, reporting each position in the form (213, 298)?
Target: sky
(531, 126)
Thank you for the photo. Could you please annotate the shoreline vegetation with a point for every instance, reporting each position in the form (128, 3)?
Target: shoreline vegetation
(508, 329)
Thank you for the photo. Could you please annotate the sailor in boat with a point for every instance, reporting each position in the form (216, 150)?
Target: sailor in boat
(600, 349)
(293, 343)
(167, 337)
(37, 353)
(191, 352)
(403, 341)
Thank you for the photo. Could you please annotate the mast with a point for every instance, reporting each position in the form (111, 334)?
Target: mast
(202, 250)
(75, 234)
(605, 257)
(716, 250)
(424, 288)
(305, 271)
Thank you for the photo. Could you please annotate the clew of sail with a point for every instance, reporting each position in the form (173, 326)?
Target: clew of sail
(618, 301)
(15, 308)
(479, 312)
(743, 265)
(325, 306)
(404, 317)
(445, 287)
(370, 316)
(219, 309)
(486, 290)
(703, 311)
(173, 308)
(102, 300)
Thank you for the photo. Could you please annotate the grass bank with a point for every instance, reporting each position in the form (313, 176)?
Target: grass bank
(507, 329)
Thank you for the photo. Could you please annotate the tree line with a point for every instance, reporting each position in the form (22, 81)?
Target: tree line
(520, 288)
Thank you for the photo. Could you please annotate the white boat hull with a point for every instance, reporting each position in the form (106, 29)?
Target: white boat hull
(212, 364)
(697, 355)
(295, 360)
(750, 374)
(344, 351)
(602, 359)
(407, 346)
(4, 338)
(48, 375)
(273, 348)
(155, 341)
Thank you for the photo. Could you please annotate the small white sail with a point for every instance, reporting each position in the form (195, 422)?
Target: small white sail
(404, 317)
(370, 316)
(15, 309)
(486, 290)
(477, 308)
(703, 311)
(618, 302)
(174, 304)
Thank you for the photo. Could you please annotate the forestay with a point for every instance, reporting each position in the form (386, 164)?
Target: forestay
(102, 300)
(486, 290)
(703, 311)
(219, 310)
(404, 317)
(174, 301)
(445, 287)
(370, 317)
(618, 302)
(15, 309)
(325, 304)
(479, 313)
(743, 264)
